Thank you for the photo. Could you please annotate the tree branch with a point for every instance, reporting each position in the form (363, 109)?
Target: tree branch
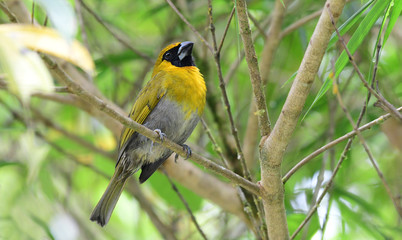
(335, 142)
(252, 63)
(388, 106)
(183, 200)
(275, 145)
(355, 127)
(300, 23)
(203, 40)
(271, 45)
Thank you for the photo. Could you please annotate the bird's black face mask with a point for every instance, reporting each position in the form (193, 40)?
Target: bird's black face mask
(180, 56)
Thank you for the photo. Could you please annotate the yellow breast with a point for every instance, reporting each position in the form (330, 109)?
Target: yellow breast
(186, 86)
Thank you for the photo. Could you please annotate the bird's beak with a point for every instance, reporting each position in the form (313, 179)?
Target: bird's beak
(185, 49)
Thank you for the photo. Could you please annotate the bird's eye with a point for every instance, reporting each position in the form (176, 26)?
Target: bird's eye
(168, 55)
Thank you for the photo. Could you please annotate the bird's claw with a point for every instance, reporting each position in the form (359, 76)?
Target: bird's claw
(161, 134)
(188, 153)
(161, 137)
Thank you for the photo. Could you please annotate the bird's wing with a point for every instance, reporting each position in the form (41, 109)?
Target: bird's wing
(147, 99)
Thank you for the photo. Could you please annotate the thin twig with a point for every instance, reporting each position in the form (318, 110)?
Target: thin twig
(234, 66)
(132, 187)
(246, 172)
(62, 89)
(58, 89)
(377, 60)
(273, 148)
(240, 192)
(326, 218)
(389, 107)
(398, 207)
(330, 155)
(256, 24)
(164, 229)
(334, 143)
(271, 43)
(203, 40)
(185, 205)
(20, 118)
(252, 63)
(292, 27)
(215, 145)
(33, 12)
(82, 142)
(327, 187)
(320, 180)
(114, 34)
(370, 155)
(226, 30)
(80, 18)
(128, 122)
(7, 11)
(330, 182)
(257, 227)
(46, 20)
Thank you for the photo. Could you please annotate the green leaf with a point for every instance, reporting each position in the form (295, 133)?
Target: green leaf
(396, 11)
(5, 164)
(373, 55)
(47, 183)
(354, 217)
(290, 79)
(43, 224)
(349, 23)
(324, 88)
(358, 37)
(354, 42)
(353, 198)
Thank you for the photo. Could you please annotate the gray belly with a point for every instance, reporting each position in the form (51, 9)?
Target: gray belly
(168, 117)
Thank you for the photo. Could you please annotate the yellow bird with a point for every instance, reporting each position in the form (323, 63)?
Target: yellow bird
(171, 104)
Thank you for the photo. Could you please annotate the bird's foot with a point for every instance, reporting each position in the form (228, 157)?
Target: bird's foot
(161, 134)
(188, 153)
(161, 137)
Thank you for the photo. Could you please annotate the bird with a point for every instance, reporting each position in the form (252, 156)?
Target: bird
(171, 104)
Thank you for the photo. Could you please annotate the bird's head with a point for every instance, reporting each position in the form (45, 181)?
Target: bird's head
(177, 55)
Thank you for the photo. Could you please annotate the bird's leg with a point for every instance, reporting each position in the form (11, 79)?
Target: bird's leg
(188, 152)
(161, 137)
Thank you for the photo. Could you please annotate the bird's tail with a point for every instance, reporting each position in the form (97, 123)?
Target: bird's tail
(103, 210)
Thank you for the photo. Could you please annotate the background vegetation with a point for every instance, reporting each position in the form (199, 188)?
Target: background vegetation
(58, 150)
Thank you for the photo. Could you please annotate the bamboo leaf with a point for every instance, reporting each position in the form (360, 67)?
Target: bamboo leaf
(358, 37)
(397, 9)
(354, 42)
(349, 23)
